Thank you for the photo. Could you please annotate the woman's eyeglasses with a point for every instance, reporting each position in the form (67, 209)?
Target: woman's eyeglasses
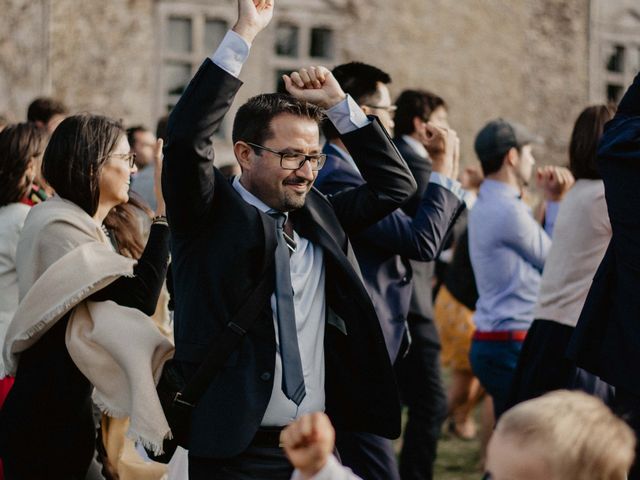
(127, 157)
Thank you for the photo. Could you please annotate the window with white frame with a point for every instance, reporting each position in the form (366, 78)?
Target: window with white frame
(614, 36)
(187, 34)
(187, 41)
(300, 45)
(622, 63)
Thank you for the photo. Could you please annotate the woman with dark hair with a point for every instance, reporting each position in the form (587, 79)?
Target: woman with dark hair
(21, 148)
(581, 235)
(83, 318)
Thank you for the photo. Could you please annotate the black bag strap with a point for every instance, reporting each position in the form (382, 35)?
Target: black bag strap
(224, 344)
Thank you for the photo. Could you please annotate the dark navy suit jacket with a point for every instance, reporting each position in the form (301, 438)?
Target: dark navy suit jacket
(606, 340)
(421, 307)
(220, 245)
(383, 250)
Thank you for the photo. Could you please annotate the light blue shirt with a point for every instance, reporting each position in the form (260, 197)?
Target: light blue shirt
(307, 280)
(508, 249)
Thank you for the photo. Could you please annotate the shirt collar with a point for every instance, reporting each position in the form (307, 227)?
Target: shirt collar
(496, 187)
(416, 146)
(251, 199)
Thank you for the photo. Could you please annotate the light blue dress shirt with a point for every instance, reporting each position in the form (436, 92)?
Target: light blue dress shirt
(508, 249)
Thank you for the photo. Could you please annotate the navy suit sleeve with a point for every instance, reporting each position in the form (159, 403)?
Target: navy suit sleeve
(421, 170)
(188, 171)
(389, 182)
(630, 103)
(419, 238)
(142, 290)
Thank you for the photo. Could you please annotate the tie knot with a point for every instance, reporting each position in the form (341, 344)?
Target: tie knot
(279, 217)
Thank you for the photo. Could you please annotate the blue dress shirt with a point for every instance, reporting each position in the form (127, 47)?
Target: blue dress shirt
(508, 249)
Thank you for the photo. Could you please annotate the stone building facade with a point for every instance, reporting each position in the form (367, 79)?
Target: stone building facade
(537, 61)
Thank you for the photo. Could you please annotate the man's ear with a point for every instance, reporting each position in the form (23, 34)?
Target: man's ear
(243, 153)
(512, 157)
(418, 124)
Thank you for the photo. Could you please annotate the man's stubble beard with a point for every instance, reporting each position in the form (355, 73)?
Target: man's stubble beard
(293, 201)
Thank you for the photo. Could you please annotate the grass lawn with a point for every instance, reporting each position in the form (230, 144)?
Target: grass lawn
(456, 459)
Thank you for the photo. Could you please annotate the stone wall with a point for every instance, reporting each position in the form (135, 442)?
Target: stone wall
(102, 56)
(526, 60)
(522, 60)
(23, 55)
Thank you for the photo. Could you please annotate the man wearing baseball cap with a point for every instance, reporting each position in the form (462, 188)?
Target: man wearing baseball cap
(507, 248)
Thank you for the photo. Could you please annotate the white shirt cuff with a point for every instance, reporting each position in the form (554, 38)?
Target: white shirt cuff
(231, 54)
(331, 471)
(347, 116)
(449, 183)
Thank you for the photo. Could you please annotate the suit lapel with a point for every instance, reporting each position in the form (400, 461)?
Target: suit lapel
(310, 224)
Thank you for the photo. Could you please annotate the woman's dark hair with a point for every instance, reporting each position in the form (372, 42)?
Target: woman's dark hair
(20, 144)
(125, 223)
(585, 138)
(78, 149)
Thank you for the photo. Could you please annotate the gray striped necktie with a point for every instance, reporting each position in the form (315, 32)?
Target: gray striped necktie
(292, 376)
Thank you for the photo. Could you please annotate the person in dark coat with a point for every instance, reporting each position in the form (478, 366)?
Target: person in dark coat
(606, 340)
(384, 251)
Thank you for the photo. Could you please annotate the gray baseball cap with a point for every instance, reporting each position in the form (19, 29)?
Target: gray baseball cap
(498, 136)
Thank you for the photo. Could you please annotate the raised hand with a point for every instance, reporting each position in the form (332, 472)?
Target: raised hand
(554, 181)
(308, 442)
(253, 17)
(157, 173)
(443, 146)
(315, 85)
(471, 178)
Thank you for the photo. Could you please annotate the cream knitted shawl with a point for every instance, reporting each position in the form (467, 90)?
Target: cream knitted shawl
(63, 257)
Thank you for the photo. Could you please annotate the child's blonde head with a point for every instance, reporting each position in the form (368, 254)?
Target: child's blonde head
(578, 436)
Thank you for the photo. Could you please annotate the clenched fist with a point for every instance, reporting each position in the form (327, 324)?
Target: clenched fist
(308, 442)
(443, 146)
(554, 181)
(315, 85)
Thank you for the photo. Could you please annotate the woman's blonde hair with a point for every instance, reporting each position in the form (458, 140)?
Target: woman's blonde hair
(579, 436)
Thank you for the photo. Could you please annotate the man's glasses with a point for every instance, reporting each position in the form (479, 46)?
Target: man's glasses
(386, 108)
(127, 157)
(294, 161)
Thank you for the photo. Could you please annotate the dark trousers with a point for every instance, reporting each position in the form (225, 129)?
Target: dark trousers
(422, 391)
(494, 363)
(627, 406)
(369, 456)
(254, 463)
(543, 366)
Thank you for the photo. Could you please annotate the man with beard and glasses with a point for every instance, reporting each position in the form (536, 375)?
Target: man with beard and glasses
(314, 342)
